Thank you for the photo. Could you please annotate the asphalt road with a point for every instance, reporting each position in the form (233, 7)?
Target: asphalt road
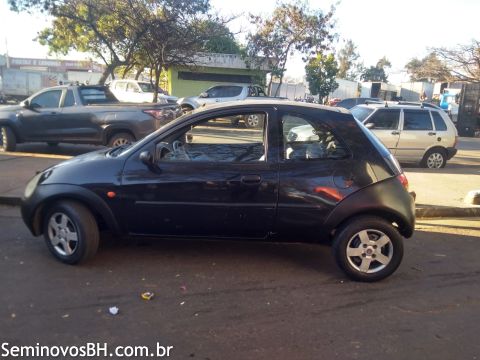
(241, 300)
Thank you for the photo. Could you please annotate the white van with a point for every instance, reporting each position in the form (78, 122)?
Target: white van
(412, 133)
(135, 91)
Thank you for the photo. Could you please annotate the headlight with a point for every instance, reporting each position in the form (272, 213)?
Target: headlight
(32, 185)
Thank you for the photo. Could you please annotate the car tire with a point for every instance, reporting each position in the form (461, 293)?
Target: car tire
(8, 141)
(253, 121)
(358, 252)
(121, 138)
(434, 159)
(71, 232)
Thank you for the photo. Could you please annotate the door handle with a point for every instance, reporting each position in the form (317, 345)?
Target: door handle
(251, 179)
(432, 133)
(53, 113)
(395, 132)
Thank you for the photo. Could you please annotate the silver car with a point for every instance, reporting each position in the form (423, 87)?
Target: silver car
(412, 133)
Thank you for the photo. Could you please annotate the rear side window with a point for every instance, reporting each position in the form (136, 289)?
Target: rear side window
(361, 113)
(417, 120)
(438, 121)
(385, 119)
(308, 140)
(97, 95)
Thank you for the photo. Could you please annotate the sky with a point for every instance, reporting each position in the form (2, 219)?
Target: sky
(399, 30)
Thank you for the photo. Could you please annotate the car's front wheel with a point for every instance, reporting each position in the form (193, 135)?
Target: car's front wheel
(434, 159)
(8, 142)
(253, 121)
(71, 232)
(368, 248)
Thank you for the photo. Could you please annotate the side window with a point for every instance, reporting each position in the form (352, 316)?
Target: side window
(438, 121)
(131, 87)
(417, 120)
(215, 140)
(69, 99)
(385, 119)
(252, 91)
(347, 104)
(309, 140)
(48, 99)
(231, 91)
(215, 92)
(121, 85)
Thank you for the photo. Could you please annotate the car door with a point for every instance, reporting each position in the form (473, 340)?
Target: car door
(76, 123)
(315, 173)
(120, 90)
(40, 118)
(416, 136)
(134, 93)
(209, 179)
(385, 125)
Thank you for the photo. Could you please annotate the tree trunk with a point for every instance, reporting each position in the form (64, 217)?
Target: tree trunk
(109, 70)
(279, 85)
(139, 72)
(158, 70)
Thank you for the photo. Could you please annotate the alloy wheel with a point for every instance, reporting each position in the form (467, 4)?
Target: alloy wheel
(120, 142)
(435, 161)
(62, 234)
(369, 251)
(252, 120)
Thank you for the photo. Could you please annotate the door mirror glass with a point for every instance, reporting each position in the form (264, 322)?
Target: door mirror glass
(146, 157)
(203, 95)
(26, 104)
(370, 126)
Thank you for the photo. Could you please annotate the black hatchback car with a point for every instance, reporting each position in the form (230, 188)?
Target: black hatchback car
(199, 176)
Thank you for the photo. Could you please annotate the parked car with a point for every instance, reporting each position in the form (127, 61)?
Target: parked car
(423, 135)
(135, 91)
(198, 177)
(351, 102)
(80, 114)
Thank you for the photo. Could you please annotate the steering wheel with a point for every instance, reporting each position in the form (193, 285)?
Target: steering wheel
(179, 149)
(177, 144)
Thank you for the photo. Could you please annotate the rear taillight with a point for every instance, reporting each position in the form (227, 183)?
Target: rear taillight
(403, 180)
(157, 114)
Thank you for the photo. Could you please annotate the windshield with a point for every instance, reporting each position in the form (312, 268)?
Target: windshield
(146, 87)
(361, 113)
(97, 95)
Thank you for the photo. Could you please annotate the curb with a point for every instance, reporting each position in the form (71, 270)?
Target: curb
(421, 211)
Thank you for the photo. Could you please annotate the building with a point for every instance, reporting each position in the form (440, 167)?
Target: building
(212, 69)
(21, 77)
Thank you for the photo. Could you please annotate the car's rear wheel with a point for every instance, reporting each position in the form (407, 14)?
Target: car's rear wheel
(434, 159)
(8, 141)
(122, 138)
(253, 121)
(186, 109)
(71, 232)
(368, 248)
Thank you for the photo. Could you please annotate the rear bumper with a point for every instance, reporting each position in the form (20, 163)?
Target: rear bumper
(451, 152)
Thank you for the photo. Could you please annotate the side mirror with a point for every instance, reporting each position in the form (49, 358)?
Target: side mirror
(26, 104)
(370, 126)
(146, 157)
(203, 95)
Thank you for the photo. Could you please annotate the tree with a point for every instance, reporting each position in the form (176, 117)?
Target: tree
(347, 61)
(321, 72)
(430, 69)
(377, 72)
(462, 61)
(292, 28)
(221, 39)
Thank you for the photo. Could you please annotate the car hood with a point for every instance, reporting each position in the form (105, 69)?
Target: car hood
(96, 167)
(10, 108)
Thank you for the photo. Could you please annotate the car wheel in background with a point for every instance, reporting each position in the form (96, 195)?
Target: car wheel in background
(71, 232)
(368, 248)
(122, 138)
(253, 121)
(434, 159)
(8, 142)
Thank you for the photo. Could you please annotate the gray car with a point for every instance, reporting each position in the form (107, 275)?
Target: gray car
(80, 114)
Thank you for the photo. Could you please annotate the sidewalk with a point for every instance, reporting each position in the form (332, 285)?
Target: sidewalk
(440, 193)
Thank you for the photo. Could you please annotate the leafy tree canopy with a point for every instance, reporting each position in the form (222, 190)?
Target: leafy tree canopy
(321, 72)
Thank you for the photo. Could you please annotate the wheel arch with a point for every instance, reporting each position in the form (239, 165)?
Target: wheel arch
(112, 131)
(99, 209)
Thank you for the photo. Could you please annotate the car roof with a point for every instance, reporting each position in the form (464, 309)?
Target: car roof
(270, 102)
(396, 106)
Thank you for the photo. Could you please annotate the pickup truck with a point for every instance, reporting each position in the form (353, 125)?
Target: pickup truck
(80, 114)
